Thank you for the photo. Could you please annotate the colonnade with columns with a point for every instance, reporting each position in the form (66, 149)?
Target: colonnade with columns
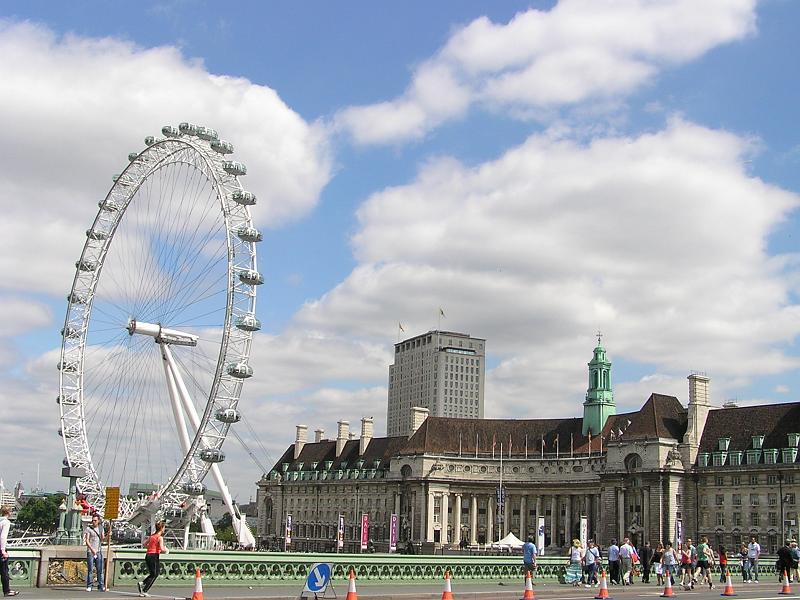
(473, 514)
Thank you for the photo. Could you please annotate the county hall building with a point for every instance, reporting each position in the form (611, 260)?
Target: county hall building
(663, 472)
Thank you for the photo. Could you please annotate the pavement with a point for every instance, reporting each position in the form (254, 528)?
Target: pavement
(766, 590)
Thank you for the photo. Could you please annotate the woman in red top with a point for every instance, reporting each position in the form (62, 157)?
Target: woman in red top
(155, 547)
(723, 564)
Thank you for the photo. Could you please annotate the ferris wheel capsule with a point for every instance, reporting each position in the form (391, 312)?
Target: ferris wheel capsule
(249, 234)
(251, 277)
(248, 323)
(240, 370)
(170, 131)
(212, 455)
(206, 133)
(85, 265)
(243, 198)
(221, 147)
(149, 140)
(94, 234)
(194, 488)
(188, 128)
(228, 415)
(232, 167)
(69, 332)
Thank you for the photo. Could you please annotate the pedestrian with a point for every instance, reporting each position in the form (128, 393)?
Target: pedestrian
(669, 562)
(687, 572)
(646, 558)
(613, 562)
(529, 556)
(574, 570)
(626, 561)
(93, 540)
(155, 548)
(693, 555)
(784, 564)
(590, 561)
(705, 560)
(753, 554)
(723, 564)
(659, 568)
(745, 564)
(5, 527)
(795, 561)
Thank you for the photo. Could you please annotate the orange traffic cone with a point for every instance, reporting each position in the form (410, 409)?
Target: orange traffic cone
(668, 588)
(728, 591)
(528, 595)
(602, 594)
(351, 590)
(198, 586)
(447, 594)
(786, 590)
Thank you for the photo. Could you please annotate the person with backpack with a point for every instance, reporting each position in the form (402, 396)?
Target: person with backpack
(93, 539)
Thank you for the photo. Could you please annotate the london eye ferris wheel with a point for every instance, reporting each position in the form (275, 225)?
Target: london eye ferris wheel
(158, 329)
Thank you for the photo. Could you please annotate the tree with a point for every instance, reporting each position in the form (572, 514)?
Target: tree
(224, 529)
(40, 514)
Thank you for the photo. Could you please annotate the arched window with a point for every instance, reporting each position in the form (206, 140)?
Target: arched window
(633, 462)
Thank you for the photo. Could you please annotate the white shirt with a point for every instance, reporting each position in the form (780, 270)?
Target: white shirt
(753, 550)
(576, 554)
(5, 527)
(625, 551)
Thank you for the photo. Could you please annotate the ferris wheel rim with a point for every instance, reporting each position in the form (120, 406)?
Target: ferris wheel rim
(209, 434)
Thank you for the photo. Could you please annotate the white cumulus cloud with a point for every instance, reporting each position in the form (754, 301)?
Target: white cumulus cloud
(579, 51)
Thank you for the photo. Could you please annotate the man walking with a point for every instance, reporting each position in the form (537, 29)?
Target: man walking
(529, 556)
(626, 561)
(646, 557)
(613, 562)
(5, 527)
(590, 562)
(93, 539)
(753, 552)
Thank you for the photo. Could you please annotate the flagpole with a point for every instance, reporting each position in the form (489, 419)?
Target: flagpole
(590, 444)
(542, 451)
(459, 444)
(557, 446)
(476, 444)
(526, 446)
(571, 448)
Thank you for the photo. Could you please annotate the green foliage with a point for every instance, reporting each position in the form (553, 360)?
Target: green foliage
(224, 529)
(40, 514)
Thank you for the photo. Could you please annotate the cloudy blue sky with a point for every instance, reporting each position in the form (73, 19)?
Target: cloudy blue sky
(540, 170)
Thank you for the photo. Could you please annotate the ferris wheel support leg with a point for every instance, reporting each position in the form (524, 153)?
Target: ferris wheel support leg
(177, 412)
(240, 526)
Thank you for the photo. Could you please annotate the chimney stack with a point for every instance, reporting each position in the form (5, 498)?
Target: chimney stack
(418, 416)
(342, 435)
(319, 434)
(367, 430)
(300, 439)
(697, 413)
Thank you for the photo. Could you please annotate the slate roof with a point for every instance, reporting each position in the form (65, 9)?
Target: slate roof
(773, 421)
(381, 449)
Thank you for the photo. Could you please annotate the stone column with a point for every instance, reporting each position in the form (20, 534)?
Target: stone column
(490, 518)
(620, 513)
(646, 514)
(445, 519)
(413, 499)
(429, 518)
(568, 519)
(598, 524)
(473, 519)
(457, 521)
(539, 512)
(523, 517)
(506, 515)
(554, 520)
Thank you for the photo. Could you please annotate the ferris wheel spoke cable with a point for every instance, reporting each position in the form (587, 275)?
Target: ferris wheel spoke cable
(207, 293)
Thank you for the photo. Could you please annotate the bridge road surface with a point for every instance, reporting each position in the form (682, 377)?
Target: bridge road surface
(766, 590)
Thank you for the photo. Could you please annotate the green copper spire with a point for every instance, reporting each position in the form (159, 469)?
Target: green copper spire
(599, 404)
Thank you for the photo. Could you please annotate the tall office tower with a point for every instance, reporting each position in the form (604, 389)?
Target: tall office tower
(442, 371)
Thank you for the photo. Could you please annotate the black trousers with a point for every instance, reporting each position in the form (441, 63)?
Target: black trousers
(152, 562)
(4, 576)
(614, 568)
(645, 572)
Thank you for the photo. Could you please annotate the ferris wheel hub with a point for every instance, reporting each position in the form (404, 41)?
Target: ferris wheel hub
(161, 334)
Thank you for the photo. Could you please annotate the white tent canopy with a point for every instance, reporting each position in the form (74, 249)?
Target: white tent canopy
(510, 541)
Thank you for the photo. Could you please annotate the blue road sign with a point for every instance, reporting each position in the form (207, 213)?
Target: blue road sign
(318, 578)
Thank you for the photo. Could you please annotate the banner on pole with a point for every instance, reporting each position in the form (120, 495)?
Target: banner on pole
(340, 533)
(287, 540)
(584, 530)
(540, 537)
(679, 531)
(364, 531)
(393, 523)
(111, 510)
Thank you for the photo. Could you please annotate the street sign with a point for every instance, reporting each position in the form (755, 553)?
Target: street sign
(318, 578)
(112, 503)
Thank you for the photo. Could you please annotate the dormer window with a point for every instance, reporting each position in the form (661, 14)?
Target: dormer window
(753, 457)
(719, 458)
(724, 443)
(789, 455)
(736, 458)
(703, 458)
(771, 456)
(794, 439)
(758, 442)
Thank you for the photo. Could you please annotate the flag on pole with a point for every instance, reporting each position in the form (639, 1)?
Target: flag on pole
(400, 326)
(494, 443)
